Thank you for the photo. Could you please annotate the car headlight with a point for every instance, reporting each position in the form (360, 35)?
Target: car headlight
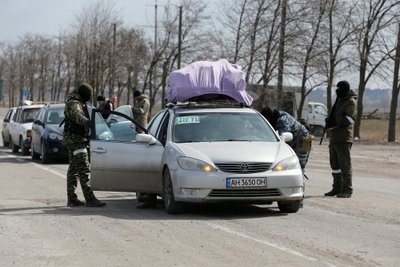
(192, 164)
(55, 136)
(287, 164)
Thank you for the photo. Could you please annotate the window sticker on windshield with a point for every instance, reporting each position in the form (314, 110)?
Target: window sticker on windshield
(187, 119)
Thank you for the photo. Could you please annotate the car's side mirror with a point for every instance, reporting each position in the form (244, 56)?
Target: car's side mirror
(287, 137)
(6, 120)
(146, 138)
(38, 122)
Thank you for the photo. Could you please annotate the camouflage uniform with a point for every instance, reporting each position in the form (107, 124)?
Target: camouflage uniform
(76, 138)
(284, 122)
(340, 125)
(141, 110)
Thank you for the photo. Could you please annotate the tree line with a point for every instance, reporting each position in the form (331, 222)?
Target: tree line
(279, 43)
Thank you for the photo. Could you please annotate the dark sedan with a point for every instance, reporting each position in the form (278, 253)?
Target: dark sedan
(47, 134)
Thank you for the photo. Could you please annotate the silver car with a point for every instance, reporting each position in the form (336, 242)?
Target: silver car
(197, 154)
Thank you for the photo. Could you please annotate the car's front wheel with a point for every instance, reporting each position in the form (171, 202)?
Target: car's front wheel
(14, 147)
(289, 207)
(24, 149)
(5, 143)
(170, 205)
(34, 155)
(43, 153)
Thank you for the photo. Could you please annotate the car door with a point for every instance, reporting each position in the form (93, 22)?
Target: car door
(14, 125)
(6, 125)
(120, 161)
(37, 130)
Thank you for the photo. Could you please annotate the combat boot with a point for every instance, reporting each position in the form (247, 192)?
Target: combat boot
(337, 185)
(344, 195)
(347, 188)
(332, 193)
(74, 203)
(94, 202)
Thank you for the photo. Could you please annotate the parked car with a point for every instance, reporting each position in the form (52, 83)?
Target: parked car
(47, 134)
(21, 128)
(198, 154)
(5, 130)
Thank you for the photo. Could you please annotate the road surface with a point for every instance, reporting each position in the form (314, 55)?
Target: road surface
(37, 229)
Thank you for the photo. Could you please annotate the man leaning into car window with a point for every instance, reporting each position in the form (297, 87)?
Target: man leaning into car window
(76, 138)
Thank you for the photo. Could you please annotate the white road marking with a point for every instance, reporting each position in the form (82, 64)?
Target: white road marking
(264, 242)
(63, 175)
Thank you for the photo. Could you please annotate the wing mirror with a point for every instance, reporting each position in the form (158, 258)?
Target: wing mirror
(146, 138)
(287, 137)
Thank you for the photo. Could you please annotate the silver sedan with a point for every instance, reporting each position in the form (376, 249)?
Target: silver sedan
(197, 154)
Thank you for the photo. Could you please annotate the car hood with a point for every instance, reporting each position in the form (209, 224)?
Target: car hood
(55, 128)
(221, 152)
(27, 125)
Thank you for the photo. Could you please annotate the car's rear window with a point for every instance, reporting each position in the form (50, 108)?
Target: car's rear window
(29, 114)
(218, 127)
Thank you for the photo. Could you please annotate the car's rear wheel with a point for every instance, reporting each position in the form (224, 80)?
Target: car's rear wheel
(24, 150)
(140, 197)
(14, 147)
(5, 143)
(34, 155)
(289, 207)
(43, 154)
(170, 205)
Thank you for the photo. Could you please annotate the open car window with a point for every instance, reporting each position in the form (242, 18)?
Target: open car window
(120, 128)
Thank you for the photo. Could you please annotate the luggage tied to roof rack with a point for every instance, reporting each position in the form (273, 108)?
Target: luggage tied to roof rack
(200, 78)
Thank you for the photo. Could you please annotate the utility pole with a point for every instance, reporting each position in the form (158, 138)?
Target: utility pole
(281, 59)
(180, 37)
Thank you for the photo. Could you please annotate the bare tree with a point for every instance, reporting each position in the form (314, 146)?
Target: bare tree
(309, 27)
(376, 16)
(395, 92)
(341, 29)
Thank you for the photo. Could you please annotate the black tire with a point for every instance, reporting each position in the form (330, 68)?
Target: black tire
(289, 207)
(170, 205)
(5, 143)
(24, 150)
(140, 197)
(34, 155)
(44, 158)
(14, 147)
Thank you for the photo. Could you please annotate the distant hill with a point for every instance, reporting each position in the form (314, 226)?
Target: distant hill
(373, 99)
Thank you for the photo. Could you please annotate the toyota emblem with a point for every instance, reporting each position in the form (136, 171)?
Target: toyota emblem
(245, 167)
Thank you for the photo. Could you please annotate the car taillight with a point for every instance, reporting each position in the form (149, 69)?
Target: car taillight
(29, 133)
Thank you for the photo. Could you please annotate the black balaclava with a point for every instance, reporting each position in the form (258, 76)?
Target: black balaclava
(343, 89)
(85, 91)
(270, 115)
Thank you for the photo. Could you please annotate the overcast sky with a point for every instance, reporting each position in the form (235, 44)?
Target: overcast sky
(49, 17)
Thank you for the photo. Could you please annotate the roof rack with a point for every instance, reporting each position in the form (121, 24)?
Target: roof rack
(225, 103)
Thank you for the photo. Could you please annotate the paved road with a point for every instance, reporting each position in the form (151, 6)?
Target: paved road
(37, 229)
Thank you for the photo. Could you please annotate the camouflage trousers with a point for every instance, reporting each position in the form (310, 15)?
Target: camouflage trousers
(79, 168)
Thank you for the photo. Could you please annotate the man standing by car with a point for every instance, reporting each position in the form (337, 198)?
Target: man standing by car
(104, 105)
(140, 113)
(141, 109)
(284, 122)
(340, 125)
(76, 138)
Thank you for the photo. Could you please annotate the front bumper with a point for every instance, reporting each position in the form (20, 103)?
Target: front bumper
(56, 149)
(199, 187)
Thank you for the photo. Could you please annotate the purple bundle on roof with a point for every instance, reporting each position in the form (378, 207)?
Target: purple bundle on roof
(208, 78)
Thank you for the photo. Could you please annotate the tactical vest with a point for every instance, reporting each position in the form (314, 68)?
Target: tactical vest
(75, 128)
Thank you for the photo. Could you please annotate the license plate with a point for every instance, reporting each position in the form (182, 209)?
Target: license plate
(246, 182)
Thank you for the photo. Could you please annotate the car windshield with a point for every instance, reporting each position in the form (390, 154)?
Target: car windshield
(55, 116)
(218, 127)
(29, 114)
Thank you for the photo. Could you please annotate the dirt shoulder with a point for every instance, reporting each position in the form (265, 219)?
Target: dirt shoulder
(380, 159)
